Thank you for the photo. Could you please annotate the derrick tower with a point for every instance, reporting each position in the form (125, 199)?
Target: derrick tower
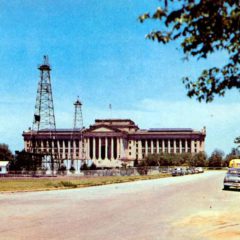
(44, 117)
(78, 126)
(78, 119)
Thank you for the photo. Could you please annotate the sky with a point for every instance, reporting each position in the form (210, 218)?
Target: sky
(98, 51)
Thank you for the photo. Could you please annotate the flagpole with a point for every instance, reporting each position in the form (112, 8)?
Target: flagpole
(110, 108)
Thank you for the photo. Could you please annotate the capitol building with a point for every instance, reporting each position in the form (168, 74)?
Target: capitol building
(112, 143)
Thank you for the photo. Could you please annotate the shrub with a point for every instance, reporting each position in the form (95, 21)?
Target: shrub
(93, 167)
(84, 166)
(68, 184)
(72, 169)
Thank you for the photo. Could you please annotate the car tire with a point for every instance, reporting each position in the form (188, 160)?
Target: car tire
(226, 187)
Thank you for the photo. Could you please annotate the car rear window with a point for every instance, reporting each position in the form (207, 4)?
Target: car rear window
(234, 171)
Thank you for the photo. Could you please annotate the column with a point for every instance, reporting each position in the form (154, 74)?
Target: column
(151, 146)
(81, 149)
(198, 146)
(42, 146)
(112, 147)
(192, 146)
(169, 146)
(186, 146)
(63, 147)
(69, 149)
(53, 148)
(180, 145)
(74, 149)
(58, 150)
(121, 148)
(140, 149)
(163, 145)
(99, 148)
(106, 148)
(174, 146)
(88, 148)
(94, 148)
(25, 145)
(146, 147)
(85, 148)
(134, 149)
(157, 146)
(203, 146)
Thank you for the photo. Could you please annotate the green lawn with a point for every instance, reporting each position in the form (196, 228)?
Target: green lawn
(41, 184)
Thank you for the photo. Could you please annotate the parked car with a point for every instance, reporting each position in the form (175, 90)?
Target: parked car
(193, 170)
(190, 171)
(200, 170)
(177, 172)
(232, 178)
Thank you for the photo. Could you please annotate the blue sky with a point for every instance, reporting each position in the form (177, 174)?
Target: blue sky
(98, 52)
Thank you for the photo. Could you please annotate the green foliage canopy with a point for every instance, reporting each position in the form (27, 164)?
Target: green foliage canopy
(171, 159)
(203, 27)
(216, 159)
(5, 153)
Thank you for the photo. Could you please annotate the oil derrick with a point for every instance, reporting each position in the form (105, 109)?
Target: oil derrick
(44, 118)
(78, 126)
(78, 119)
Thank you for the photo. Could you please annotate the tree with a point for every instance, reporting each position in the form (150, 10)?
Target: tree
(188, 159)
(203, 27)
(235, 153)
(26, 161)
(152, 160)
(216, 159)
(199, 159)
(5, 153)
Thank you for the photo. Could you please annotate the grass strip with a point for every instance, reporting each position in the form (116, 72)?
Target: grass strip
(36, 184)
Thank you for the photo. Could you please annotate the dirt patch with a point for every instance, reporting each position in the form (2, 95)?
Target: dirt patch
(213, 225)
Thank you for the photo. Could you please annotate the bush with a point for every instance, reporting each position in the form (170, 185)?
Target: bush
(84, 166)
(142, 168)
(93, 167)
(62, 169)
(135, 164)
(72, 169)
(68, 184)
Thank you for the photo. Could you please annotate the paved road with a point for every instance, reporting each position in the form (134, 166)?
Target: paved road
(190, 207)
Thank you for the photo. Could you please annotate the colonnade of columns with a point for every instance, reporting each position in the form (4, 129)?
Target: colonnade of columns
(63, 149)
(112, 148)
(150, 146)
(102, 148)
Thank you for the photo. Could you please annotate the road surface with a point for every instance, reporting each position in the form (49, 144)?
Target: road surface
(190, 207)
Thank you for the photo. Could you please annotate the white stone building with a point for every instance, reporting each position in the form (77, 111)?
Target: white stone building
(113, 142)
(3, 167)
